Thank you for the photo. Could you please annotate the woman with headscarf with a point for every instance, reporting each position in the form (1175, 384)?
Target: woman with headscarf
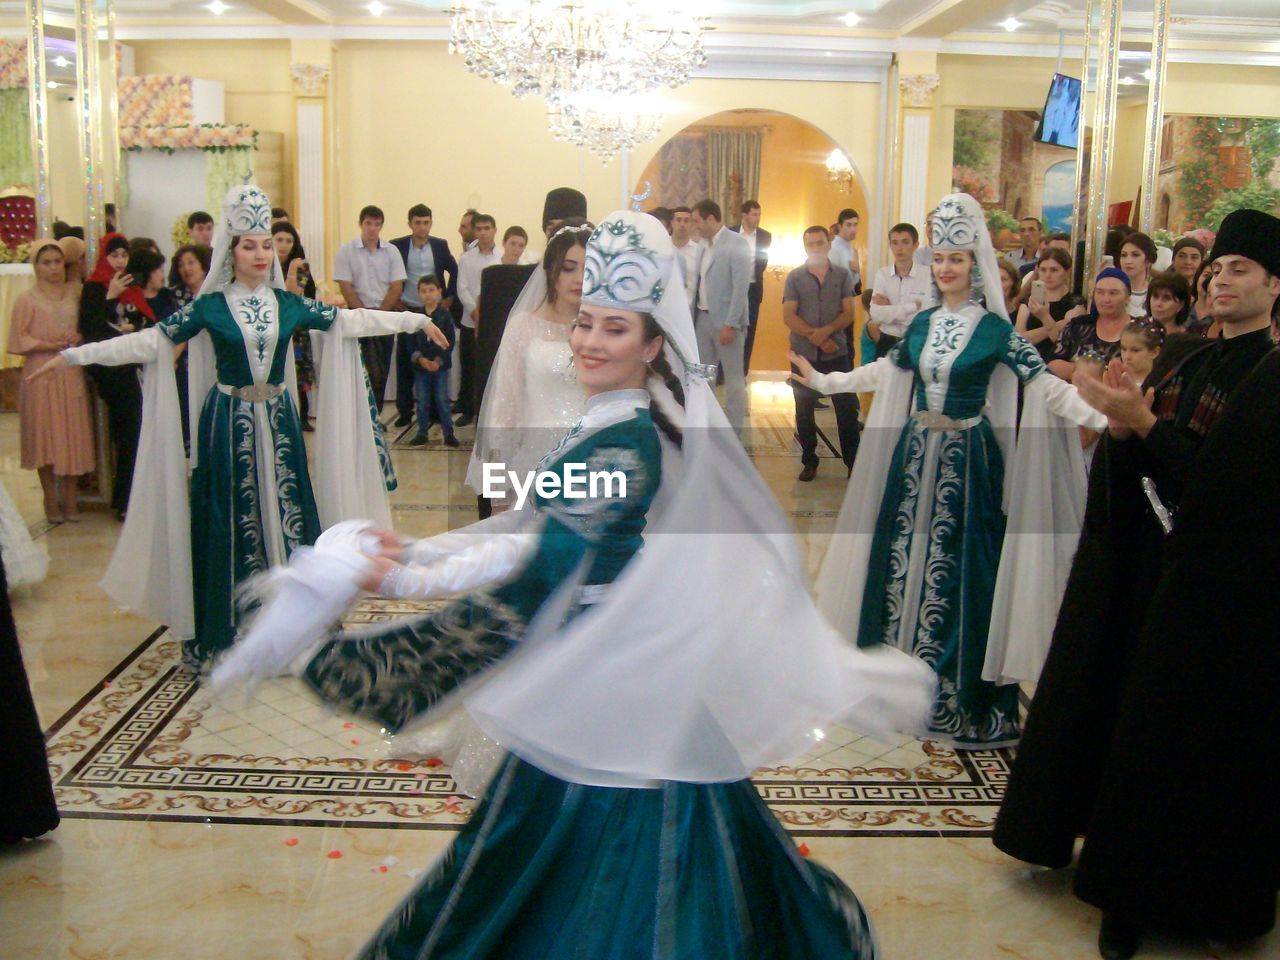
(250, 505)
(57, 433)
(920, 560)
(118, 387)
(634, 700)
(73, 256)
(1098, 331)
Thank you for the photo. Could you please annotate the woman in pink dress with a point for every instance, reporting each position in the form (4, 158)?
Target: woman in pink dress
(57, 436)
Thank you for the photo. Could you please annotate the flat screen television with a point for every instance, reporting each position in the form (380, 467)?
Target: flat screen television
(1060, 120)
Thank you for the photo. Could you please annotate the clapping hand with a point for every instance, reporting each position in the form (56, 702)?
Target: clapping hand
(1120, 399)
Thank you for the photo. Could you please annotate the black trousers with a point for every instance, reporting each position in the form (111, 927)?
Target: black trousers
(846, 410)
(120, 391)
(376, 353)
(467, 401)
(753, 316)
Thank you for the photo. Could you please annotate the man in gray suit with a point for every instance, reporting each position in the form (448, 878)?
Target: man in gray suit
(721, 317)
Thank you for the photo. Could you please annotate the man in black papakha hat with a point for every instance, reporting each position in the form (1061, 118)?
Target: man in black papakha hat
(500, 287)
(1147, 729)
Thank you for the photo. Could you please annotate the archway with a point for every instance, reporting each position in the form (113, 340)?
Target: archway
(794, 192)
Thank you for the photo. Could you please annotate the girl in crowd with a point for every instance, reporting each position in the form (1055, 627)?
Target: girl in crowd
(298, 279)
(920, 542)
(251, 483)
(1201, 321)
(57, 434)
(1137, 258)
(117, 386)
(1188, 254)
(1010, 285)
(1169, 301)
(1051, 305)
(1140, 344)
(1098, 330)
(533, 395)
(624, 824)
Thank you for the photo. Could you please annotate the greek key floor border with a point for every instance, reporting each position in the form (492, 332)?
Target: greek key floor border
(147, 744)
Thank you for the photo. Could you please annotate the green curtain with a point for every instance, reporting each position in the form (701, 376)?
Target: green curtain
(226, 170)
(16, 166)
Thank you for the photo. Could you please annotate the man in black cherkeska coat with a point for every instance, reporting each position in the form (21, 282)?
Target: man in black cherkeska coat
(1148, 726)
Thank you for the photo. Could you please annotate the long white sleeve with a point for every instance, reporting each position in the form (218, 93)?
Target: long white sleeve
(434, 548)
(894, 318)
(141, 347)
(1064, 400)
(363, 322)
(865, 378)
(490, 561)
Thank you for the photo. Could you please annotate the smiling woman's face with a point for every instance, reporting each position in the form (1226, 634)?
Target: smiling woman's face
(610, 351)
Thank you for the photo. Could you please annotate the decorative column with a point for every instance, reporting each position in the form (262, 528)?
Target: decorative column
(917, 107)
(38, 120)
(1101, 153)
(1080, 216)
(311, 92)
(1155, 113)
(90, 122)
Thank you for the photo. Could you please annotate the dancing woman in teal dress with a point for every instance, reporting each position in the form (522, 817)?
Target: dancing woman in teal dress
(623, 825)
(251, 500)
(927, 583)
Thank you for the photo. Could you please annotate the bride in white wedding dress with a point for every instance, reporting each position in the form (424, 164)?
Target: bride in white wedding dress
(24, 562)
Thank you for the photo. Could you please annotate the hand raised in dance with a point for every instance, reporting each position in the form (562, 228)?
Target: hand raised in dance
(373, 579)
(390, 544)
(437, 337)
(803, 366)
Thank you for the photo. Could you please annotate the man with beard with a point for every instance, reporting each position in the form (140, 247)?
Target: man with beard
(1160, 682)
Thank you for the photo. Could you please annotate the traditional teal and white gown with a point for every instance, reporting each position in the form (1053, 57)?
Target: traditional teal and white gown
(927, 580)
(251, 497)
(548, 868)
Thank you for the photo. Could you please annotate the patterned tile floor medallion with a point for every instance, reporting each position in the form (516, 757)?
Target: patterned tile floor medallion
(148, 744)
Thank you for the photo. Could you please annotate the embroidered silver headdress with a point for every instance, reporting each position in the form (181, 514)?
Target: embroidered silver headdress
(246, 210)
(959, 223)
(627, 263)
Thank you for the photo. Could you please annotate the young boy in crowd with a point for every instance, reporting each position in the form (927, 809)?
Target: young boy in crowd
(514, 242)
(431, 365)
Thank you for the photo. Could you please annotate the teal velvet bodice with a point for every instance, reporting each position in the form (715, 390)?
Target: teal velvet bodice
(604, 529)
(954, 354)
(235, 337)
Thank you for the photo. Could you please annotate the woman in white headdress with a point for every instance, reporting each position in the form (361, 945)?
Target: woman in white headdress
(635, 688)
(922, 558)
(533, 396)
(180, 557)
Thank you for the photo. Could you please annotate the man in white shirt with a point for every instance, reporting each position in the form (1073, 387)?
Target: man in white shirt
(842, 252)
(687, 246)
(485, 253)
(370, 273)
(721, 319)
(901, 289)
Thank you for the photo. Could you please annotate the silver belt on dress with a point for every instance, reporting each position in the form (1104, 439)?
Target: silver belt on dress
(932, 420)
(256, 393)
(590, 593)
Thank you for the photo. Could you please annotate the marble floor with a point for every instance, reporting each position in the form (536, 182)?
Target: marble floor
(275, 830)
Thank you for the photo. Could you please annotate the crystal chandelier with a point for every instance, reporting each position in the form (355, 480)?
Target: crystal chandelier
(554, 48)
(840, 170)
(602, 125)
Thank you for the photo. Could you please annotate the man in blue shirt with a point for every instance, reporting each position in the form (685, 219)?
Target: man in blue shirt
(424, 256)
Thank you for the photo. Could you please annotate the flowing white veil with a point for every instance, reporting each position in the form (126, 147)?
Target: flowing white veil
(707, 658)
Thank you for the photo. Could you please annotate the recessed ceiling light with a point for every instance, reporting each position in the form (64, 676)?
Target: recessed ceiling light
(61, 61)
(1011, 24)
(1147, 74)
(376, 8)
(218, 8)
(54, 84)
(850, 19)
(1128, 81)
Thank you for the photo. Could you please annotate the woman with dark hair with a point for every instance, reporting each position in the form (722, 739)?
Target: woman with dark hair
(1201, 320)
(1188, 254)
(298, 279)
(146, 301)
(190, 266)
(638, 701)
(1050, 304)
(101, 318)
(1137, 258)
(1169, 301)
(56, 430)
(533, 397)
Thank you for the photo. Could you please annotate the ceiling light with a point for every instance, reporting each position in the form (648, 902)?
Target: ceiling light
(61, 61)
(54, 84)
(850, 19)
(1128, 81)
(376, 8)
(1011, 24)
(1147, 75)
(218, 8)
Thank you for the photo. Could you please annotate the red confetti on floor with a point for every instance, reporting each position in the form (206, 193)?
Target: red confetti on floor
(382, 868)
(106, 684)
(348, 725)
(355, 741)
(435, 762)
(803, 849)
(291, 842)
(334, 854)
(404, 766)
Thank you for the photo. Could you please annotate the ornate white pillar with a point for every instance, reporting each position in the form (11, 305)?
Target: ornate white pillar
(917, 107)
(311, 90)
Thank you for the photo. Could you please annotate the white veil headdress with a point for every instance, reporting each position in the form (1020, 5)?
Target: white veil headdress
(1044, 481)
(706, 659)
(507, 430)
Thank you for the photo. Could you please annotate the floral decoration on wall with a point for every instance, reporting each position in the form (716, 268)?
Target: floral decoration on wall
(155, 100)
(214, 137)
